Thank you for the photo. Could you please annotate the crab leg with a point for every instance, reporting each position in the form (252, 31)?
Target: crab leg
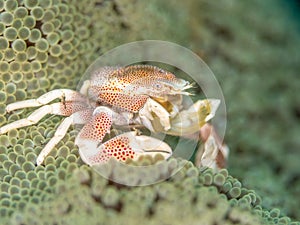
(58, 135)
(35, 117)
(59, 108)
(213, 153)
(80, 117)
(65, 94)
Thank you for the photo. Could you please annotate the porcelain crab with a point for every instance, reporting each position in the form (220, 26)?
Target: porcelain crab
(140, 95)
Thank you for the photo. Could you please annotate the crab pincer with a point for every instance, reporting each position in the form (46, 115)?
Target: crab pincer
(124, 146)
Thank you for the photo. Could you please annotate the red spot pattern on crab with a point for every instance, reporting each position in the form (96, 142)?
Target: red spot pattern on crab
(123, 101)
(138, 73)
(68, 108)
(119, 87)
(97, 128)
(118, 148)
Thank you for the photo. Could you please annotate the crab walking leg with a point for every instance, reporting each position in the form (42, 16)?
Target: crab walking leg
(35, 117)
(127, 145)
(213, 153)
(65, 94)
(80, 117)
(58, 135)
(59, 108)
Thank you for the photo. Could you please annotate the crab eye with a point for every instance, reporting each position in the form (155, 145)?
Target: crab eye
(157, 86)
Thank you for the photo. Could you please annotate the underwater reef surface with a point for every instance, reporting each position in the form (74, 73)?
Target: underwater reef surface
(190, 196)
(252, 47)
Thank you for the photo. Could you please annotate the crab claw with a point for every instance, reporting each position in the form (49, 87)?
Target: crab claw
(124, 146)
